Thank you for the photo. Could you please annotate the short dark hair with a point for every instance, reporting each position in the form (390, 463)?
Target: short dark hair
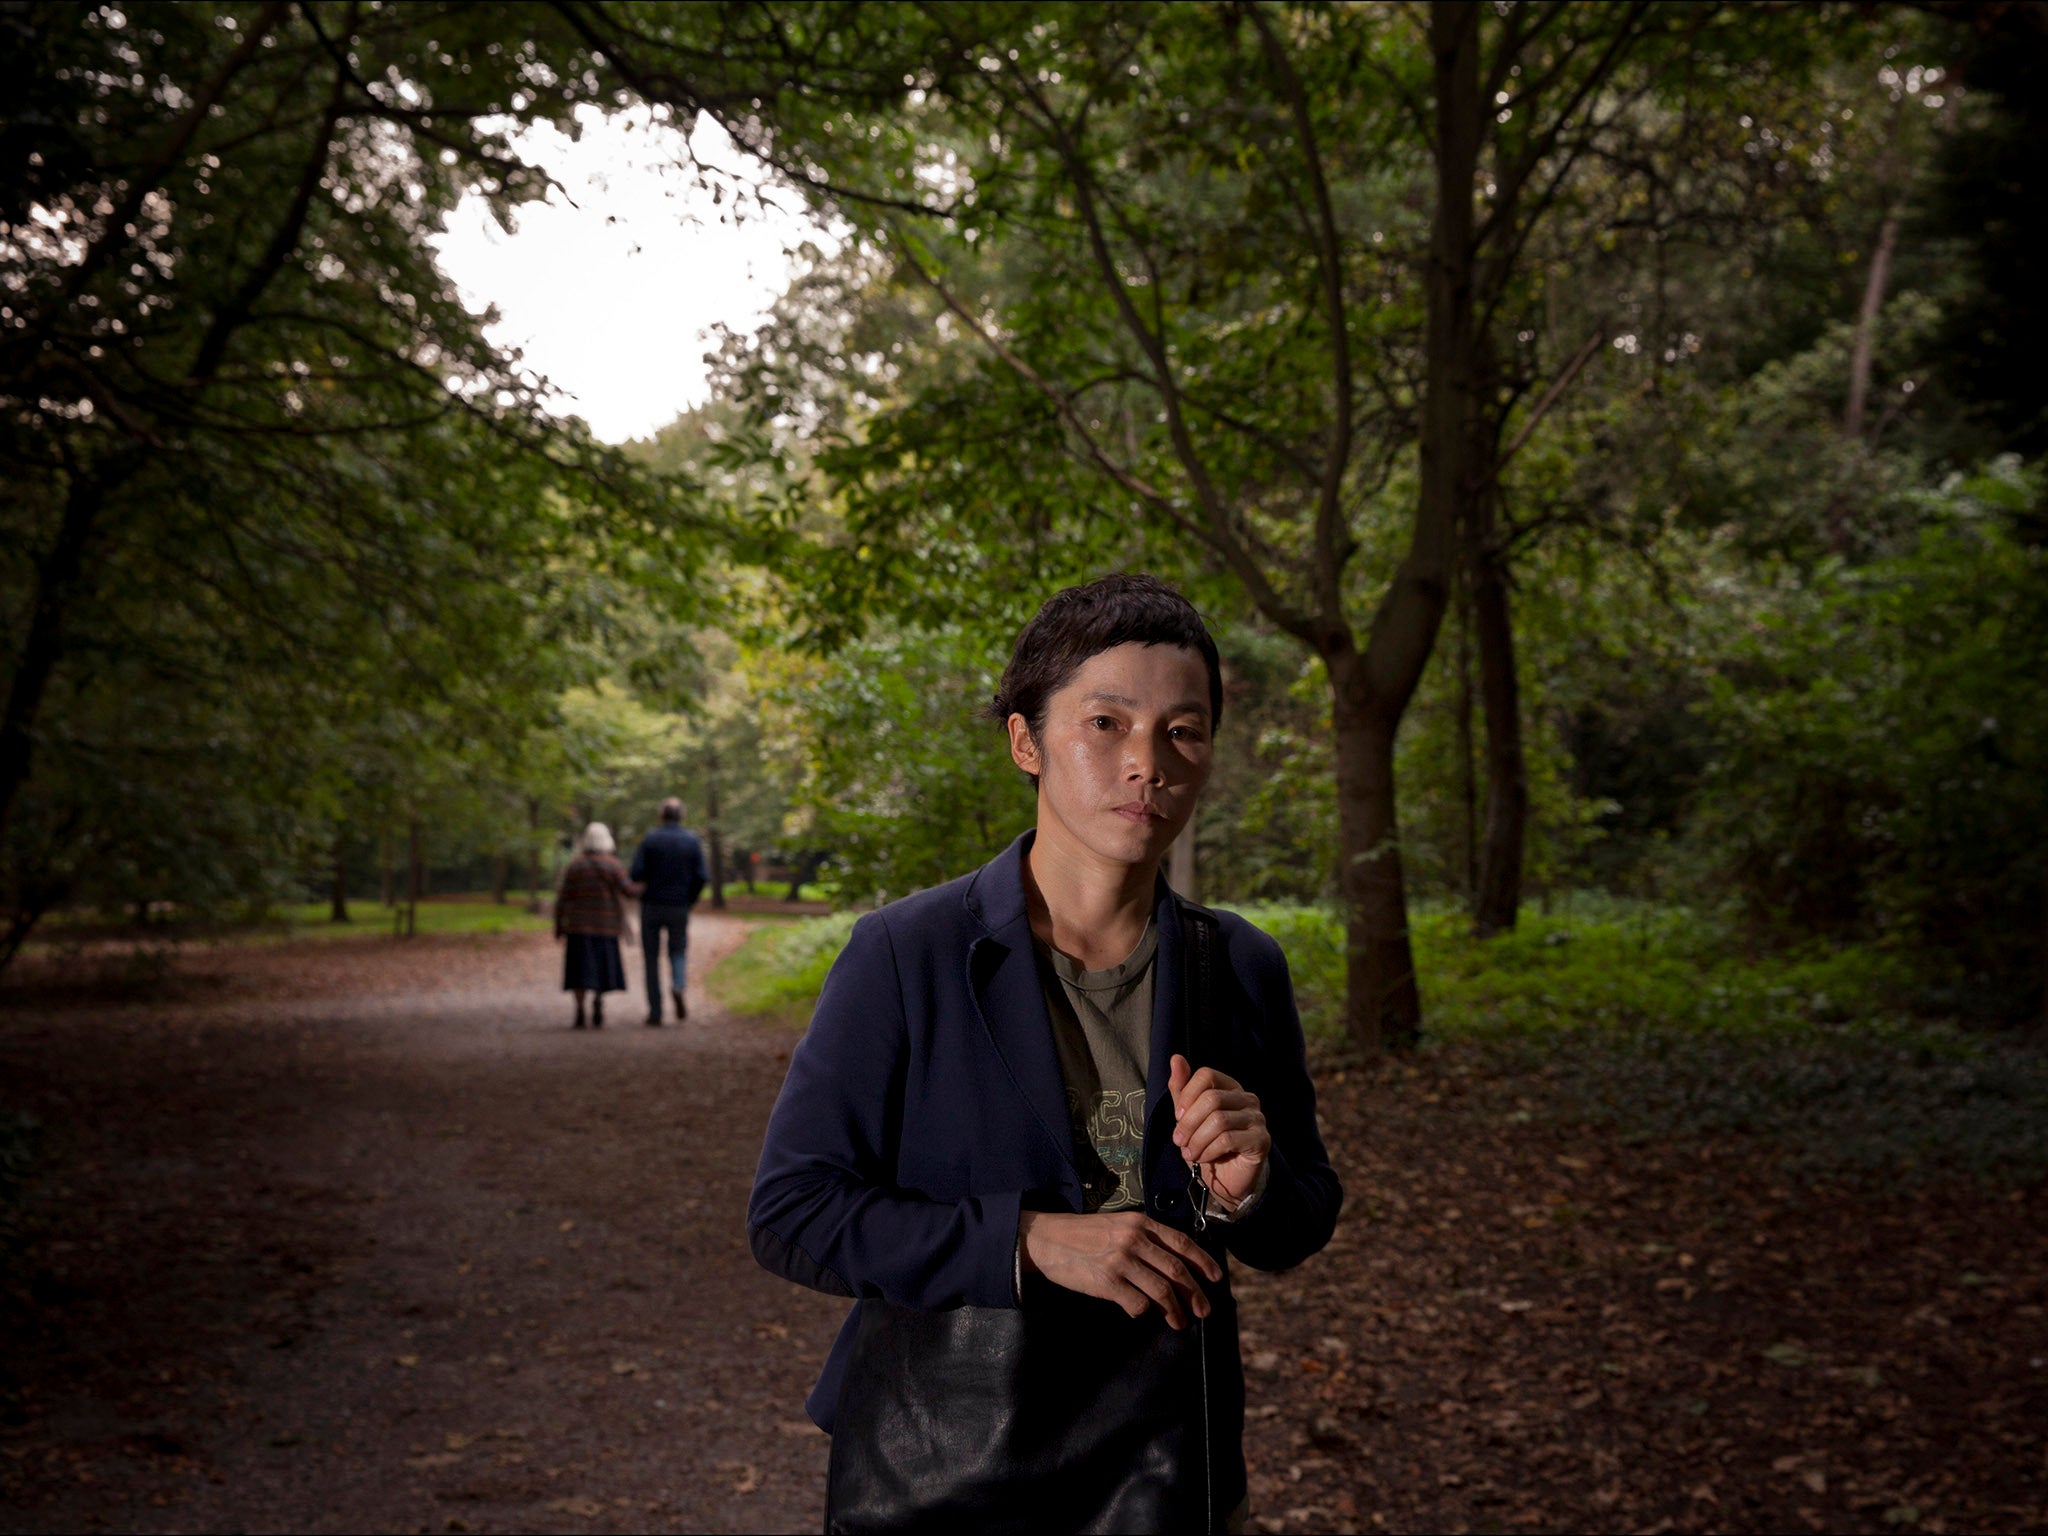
(672, 809)
(1085, 621)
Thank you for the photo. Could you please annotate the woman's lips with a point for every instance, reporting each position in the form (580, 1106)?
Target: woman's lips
(1144, 815)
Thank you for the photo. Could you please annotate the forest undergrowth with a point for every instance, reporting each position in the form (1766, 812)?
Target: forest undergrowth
(1645, 1020)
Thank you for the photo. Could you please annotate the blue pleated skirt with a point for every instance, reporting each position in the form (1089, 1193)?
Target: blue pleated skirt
(590, 963)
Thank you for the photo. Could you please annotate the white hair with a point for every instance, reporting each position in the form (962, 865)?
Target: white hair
(597, 838)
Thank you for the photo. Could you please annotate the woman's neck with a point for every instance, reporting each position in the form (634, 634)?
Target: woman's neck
(1092, 910)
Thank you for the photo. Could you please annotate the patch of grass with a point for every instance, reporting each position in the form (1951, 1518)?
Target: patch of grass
(1655, 1022)
(1872, 1100)
(302, 920)
(779, 968)
(1645, 1019)
(369, 919)
(1591, 962)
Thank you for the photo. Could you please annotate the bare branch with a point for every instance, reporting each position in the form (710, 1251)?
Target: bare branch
(1550, 398)
(1327, 565)
(114, 233)
(234, 314)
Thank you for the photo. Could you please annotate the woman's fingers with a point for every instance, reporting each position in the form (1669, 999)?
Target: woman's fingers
(1183, 1247)
(1198, 1107)
(1157, 1288)
(1126, 1258)
(1236, 1132)
(1186, 1089)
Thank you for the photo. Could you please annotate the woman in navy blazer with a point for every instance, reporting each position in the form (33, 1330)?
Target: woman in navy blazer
(922, 1153)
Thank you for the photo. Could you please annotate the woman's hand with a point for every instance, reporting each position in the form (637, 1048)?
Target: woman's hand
(1121, 1256)
(1219, 1129)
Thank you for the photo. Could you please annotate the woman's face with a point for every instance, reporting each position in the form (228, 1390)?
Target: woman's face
(1124, 752)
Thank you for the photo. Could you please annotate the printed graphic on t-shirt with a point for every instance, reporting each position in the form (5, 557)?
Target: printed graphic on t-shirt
(1116, 1130)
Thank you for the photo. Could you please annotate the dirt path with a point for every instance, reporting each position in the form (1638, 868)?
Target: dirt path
(359, 1236)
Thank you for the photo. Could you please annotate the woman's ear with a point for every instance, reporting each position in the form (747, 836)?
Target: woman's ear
(1023, 750)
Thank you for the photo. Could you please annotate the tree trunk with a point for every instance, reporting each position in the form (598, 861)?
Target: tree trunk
(1383, 1006)
(1498, 899)
(416, 877)
(1370, 691)
(711, 839)
(1862, 356)
(533, 902)
(501, 876)
(1468, 783)
(805, 869)
(59, 581)
(387, 877)
(1862, 352)
(1182, 871)
(337, 903)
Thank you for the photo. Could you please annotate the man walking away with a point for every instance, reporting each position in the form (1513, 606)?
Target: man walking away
(670, 863)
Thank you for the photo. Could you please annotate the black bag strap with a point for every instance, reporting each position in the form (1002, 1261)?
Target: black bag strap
(1202, 1012)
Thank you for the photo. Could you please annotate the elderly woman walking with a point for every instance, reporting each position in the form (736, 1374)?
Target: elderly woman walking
(590, 912)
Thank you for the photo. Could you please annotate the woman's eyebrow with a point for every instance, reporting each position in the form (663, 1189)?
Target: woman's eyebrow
(1184, 707)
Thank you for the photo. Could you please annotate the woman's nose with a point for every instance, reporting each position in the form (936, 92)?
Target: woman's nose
(1141, 763)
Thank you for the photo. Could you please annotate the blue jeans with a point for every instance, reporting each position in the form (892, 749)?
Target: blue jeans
(653, 921)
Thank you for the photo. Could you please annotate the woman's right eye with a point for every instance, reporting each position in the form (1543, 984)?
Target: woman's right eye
(1102, 723)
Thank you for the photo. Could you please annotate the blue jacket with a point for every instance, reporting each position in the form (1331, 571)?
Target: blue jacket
(671, 862)
(924, 1109)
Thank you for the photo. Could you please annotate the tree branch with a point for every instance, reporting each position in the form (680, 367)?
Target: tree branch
(1327, 566)
(115, 231)
(1550, 398)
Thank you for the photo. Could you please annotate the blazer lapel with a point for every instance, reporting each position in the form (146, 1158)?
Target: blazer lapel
(1165, 1169)
(1002, 977)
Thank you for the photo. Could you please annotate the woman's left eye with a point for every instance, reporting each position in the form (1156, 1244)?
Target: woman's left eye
(1103, 723)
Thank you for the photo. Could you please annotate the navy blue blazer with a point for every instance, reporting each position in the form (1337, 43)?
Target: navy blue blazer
(924, 1108)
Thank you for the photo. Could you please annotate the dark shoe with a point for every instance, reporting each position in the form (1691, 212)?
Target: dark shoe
(682, 1009)
(654, 1021)
(597, 1017)
(579, 1024)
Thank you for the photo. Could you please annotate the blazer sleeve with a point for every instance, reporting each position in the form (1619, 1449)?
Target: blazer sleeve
(825, 1212)
(1296, 1215)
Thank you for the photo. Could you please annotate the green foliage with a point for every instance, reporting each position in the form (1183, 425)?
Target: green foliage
(1268, 819)
(1651, 1020)
(898, 774)
(1882, 762)
(1591, 964)
(1884, 1100)
(779, 968)
(288, 546)
(1657, 1022)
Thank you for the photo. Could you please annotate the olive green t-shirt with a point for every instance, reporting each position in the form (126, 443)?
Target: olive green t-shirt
(1102, 1029)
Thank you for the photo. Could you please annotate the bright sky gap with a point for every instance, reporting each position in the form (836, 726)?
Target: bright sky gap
(612, 287)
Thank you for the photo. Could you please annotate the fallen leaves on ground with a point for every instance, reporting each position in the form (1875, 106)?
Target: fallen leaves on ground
(1545, 1328)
